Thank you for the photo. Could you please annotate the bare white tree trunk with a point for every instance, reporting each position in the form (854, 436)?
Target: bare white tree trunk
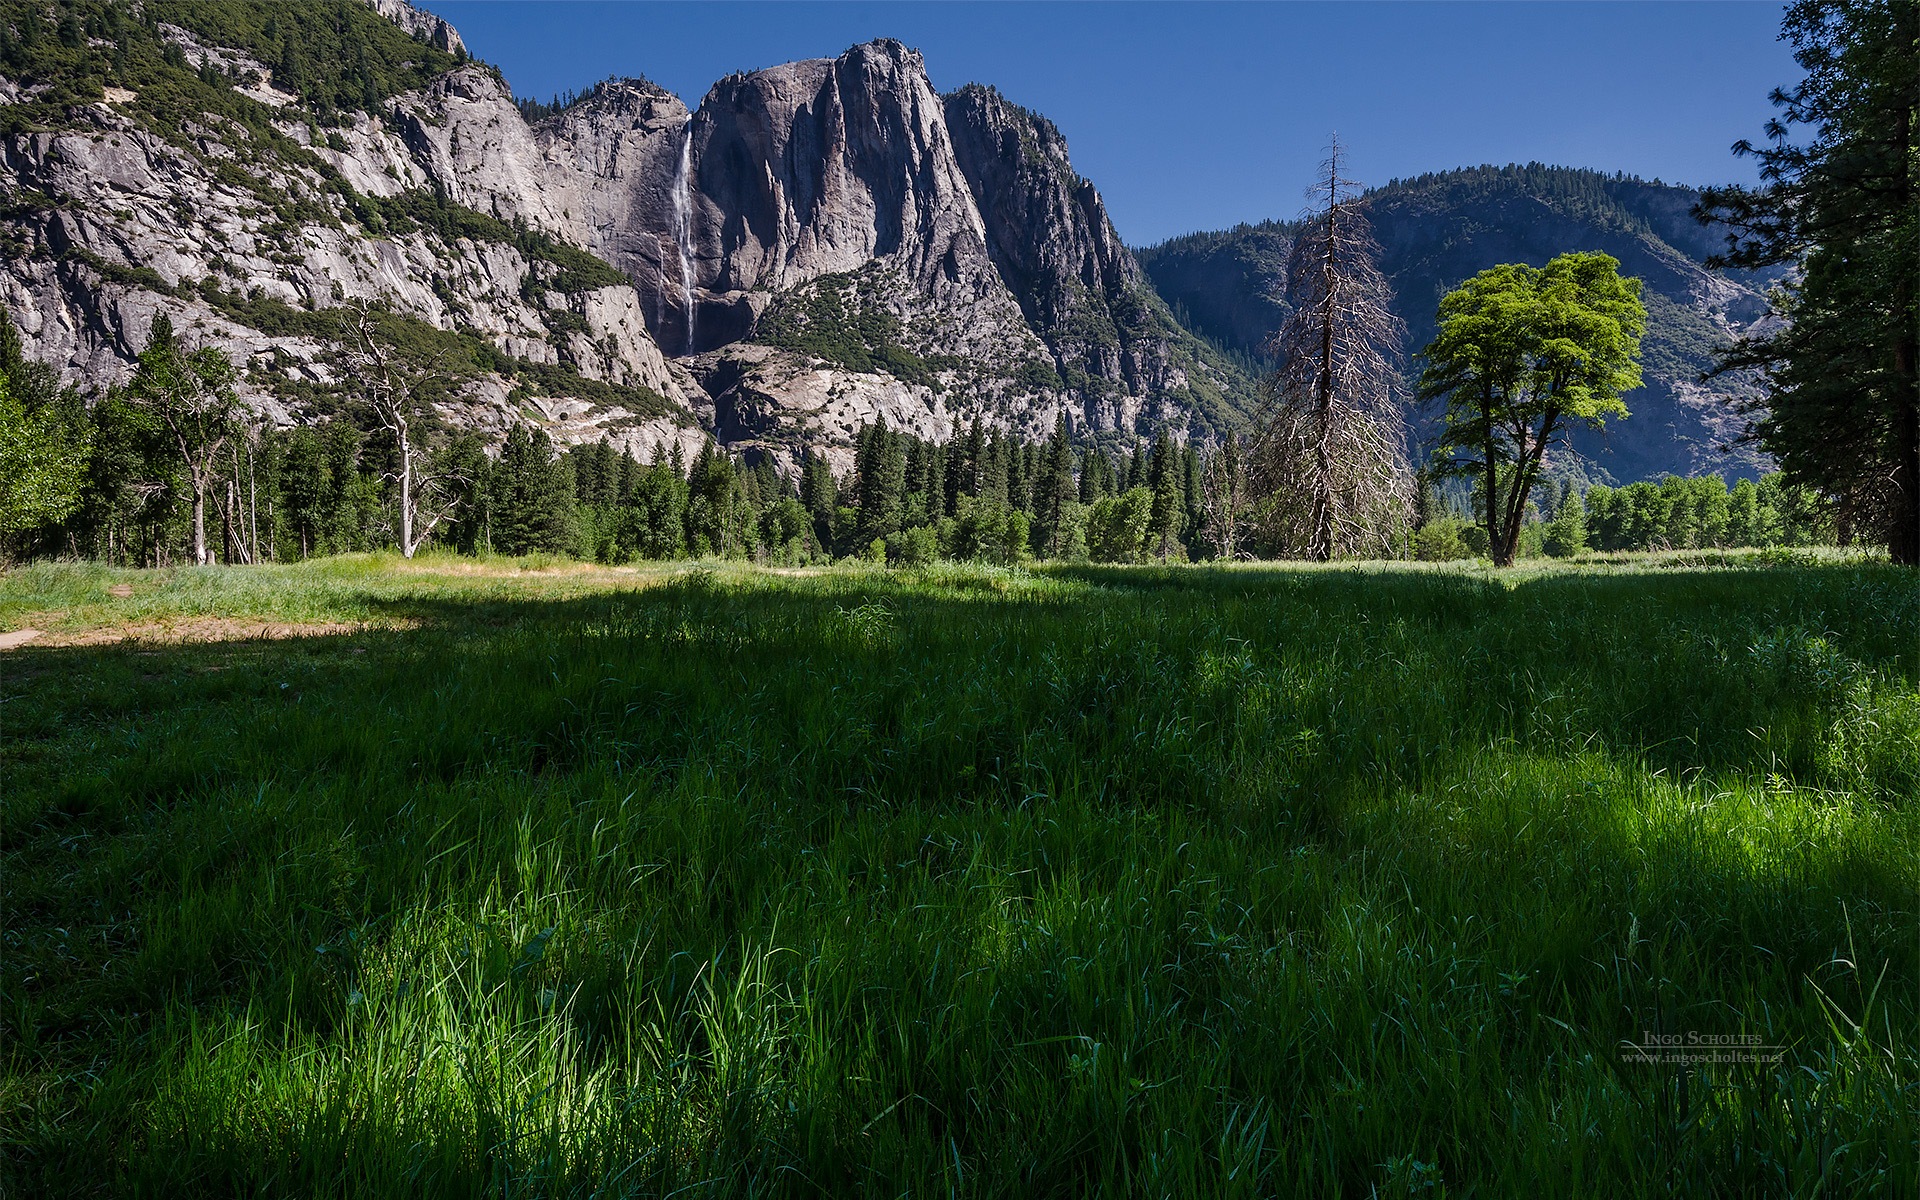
(391, 388)
(199, 519)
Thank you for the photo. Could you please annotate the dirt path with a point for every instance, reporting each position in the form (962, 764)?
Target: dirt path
(182, 630)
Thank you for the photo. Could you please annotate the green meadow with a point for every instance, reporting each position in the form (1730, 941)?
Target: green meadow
(528, 880)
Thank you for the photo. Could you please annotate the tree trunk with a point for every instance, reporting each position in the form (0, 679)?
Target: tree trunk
(406, 494)
(199, 519)
(1493, 498)
(253, 509)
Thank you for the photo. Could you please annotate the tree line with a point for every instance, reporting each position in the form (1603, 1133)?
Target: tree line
(170, 469)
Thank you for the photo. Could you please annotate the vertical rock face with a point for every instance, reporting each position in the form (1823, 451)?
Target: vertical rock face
(620, 150)
(817, 244)
(1075, 275)
(421, 24)
(818, 168)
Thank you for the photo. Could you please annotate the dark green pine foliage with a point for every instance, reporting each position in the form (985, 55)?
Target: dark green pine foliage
(1053, 493)
(820, 496)
(1842, 411)
(465, 471)
(532, 497)
(882, 485)
(1136, 474)
(1192, 514)
(1169, 505)
(994, 473)
(1097, 477)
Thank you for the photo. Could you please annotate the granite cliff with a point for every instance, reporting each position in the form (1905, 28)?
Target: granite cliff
(817, 245)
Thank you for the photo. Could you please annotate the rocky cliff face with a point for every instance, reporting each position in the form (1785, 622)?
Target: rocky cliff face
(818, 244)
(815, 246)
(254, 224)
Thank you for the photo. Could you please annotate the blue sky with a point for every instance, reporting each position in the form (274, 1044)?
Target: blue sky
(1199, 115)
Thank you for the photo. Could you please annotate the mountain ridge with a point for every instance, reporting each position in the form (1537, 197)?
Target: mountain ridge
(1438, 228)
(813, 247)
(437, 194)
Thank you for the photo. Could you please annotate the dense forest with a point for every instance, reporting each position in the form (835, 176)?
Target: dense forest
(114, 484)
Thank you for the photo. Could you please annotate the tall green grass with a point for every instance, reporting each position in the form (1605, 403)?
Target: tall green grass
(1164, 883)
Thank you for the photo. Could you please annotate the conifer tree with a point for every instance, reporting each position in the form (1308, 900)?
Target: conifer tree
(1165, 521)
(532, 497)
(1329, 460)
(1842, 410)
(883, 485)
(1054, 492)
(1136, 467)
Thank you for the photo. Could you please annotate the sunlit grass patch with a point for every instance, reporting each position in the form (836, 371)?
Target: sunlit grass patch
(1163, 881)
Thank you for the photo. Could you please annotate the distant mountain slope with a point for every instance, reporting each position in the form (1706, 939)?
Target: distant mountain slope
(1437, 230)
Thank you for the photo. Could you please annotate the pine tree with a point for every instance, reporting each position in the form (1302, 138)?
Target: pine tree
(974, 475)
(883, 486)
(1053, 493)
(1842, 410)
(1329, 459)
(993, 472)
(1165, 521)
(532, 498)
(820, 495)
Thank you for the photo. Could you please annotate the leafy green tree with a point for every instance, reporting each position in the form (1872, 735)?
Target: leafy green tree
(655, 510)
(1117, 526)
(720, 517)
(46, 442)
(132, 486)
(1842, 410)
(987, 530)
(1566, 534)
(915, 547)
(302, 485)
(43, 465)
(191, 392)
(1521, 356)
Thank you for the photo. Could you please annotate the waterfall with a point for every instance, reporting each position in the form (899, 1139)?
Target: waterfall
(683, 226)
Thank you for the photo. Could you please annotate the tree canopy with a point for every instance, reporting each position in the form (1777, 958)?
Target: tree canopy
(1523, 353)
(1842, 410)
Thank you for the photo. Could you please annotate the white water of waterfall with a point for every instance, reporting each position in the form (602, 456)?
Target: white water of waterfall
(683, 226)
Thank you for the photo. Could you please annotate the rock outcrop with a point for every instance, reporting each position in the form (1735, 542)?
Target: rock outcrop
(815, 246)
(1000, 268)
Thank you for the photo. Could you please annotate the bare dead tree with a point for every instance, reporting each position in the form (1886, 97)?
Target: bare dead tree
(392, 388)
(192, 392)
(1329, 463)
(1223, 497)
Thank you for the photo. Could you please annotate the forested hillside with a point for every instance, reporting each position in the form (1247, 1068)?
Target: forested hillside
(1437, 230)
